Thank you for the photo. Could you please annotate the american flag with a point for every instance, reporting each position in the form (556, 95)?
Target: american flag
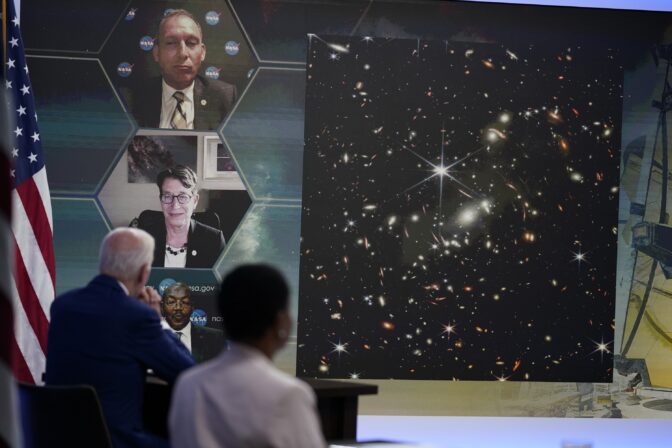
(32, 285)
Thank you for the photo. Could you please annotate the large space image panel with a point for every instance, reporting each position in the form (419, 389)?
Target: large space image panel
(460, 205)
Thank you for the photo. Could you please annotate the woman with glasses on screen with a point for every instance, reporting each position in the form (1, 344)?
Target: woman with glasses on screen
(182, 242)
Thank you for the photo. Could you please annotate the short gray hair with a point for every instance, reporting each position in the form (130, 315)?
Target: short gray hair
(124, 252)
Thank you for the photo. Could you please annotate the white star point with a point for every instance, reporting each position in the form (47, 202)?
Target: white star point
(10, 63)
(25, 90)
(15, 152)
(339, 348)
(21, 110)
(14, 42)
(32, 157)
(35, 137)
(18, 131)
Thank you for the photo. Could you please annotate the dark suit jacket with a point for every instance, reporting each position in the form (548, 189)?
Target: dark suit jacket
(204, 244)
(206, 343)
(100, 336)
(213, 100)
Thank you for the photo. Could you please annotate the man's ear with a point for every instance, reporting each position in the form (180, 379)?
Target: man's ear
(283, 325)
(203, 53)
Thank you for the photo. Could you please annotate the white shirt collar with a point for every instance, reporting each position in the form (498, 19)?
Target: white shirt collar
(241, 349)
(123, 287)
(169, 91)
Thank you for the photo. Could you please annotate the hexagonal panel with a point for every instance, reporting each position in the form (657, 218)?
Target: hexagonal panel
(78, 230)
(137, 63)
(278, 29)
(70, 25)
(270, 233)
(130, 195)
(265, 134)
(82, 122)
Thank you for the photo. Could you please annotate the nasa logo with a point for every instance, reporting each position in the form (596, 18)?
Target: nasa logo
(199, 318)
(166, 282)
(131, 14)
(212, 18)
(147, 43)
(212, 72)
(124, 69)
(232, 48)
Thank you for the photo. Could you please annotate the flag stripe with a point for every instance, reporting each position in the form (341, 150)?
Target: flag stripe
(32, 357)
(29, 303)
(19, 364)
(30, 254)
(40, 224)
(43, 187)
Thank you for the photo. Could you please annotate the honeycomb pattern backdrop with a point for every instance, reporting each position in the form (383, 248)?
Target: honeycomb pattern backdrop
(82, 55)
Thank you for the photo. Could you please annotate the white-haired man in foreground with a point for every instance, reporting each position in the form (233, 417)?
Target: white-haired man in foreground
(109, 333)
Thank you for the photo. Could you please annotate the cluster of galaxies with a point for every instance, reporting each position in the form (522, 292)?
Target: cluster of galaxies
(459, 211)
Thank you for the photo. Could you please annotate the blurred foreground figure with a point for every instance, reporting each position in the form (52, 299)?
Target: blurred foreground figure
(109, 333)
(240, 399)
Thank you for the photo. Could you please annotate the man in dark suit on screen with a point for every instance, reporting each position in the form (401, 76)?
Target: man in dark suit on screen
(109, 333)
(181, 98)
(203, 342)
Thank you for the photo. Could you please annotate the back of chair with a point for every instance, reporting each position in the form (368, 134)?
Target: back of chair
(62, 416)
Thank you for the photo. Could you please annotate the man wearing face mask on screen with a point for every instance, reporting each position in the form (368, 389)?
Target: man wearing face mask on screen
(181, 98)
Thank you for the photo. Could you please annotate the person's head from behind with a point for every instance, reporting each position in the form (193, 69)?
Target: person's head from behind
(253, 301)
(179, 48)
(178, 193)
(127, 254)
(176, 305)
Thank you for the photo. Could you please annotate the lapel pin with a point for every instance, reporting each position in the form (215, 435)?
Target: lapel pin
(203, 102)
(193, 252)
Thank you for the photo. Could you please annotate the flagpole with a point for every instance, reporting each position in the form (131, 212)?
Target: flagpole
(4, 36)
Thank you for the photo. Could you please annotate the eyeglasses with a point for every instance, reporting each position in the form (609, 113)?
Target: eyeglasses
(167, 198)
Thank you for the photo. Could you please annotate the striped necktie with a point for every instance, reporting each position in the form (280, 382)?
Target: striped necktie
(179, 120)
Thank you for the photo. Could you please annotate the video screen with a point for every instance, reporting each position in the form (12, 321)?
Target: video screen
(460, 205)
(457, 191)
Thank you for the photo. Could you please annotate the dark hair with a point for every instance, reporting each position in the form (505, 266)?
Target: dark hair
(175, 13)
(250, 298)
(184, 174)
